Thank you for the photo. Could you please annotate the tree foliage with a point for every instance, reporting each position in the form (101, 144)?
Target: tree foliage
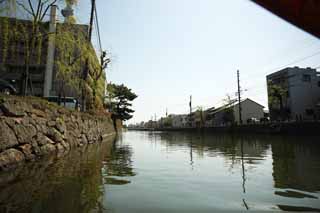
(277, 96)
(121, 96)
(73, 50)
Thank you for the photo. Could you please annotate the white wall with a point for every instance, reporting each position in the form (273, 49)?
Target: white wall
(250, 109)
(303, 95)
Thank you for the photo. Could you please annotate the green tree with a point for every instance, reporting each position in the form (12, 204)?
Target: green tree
(97, 74)
(36, 10)
(276, 98)
(121, 96)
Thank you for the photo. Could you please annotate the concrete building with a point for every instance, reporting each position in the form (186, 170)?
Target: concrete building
(180, 121)
(43, 69)
(294, 94)
(228, 114)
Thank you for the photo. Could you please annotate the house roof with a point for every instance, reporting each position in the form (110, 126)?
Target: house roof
(253, 102)
(219, 109)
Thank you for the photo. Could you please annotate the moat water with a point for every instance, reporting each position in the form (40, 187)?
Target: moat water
(171, 172)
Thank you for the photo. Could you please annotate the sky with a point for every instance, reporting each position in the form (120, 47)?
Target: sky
(167, 50)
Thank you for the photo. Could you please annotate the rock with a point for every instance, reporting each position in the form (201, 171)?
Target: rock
(10, 158)
(27, 151)
(84, 139)
(43, 140)
(35, 148)
(7, 137)
(51, 123)
(13, 108)
(60, 126)
(25, 133)
(31, 127)
(47, 149)
(55, 135)
(38, 113)
(60, 148)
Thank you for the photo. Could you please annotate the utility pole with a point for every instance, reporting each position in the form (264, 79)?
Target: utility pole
(166, 112)
(239, 97)
(86, 68)
(93, 4)
(190, 106)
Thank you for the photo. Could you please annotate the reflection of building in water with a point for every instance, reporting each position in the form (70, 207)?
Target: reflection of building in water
(229, 146)
(296, 166)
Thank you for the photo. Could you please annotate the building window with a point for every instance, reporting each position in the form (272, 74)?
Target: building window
(306, 78)
(318, 83)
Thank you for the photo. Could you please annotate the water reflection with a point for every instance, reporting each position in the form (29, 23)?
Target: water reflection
(72, 183)
(171, 172)
(296, 161)
(118, 164)
(296, 164)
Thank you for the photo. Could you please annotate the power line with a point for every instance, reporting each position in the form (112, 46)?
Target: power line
(299, 60)
(283, 66)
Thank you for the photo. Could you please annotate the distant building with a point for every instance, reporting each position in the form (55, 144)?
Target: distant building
(226, 115)
(180, 121)
(294, 94)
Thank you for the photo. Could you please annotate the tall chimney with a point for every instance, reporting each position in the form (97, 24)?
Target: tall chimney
(48, 77)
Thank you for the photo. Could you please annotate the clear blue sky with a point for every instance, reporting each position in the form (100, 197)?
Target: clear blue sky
(166, 50)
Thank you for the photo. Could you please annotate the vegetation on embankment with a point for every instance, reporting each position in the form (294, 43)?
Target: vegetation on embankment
(32, 127)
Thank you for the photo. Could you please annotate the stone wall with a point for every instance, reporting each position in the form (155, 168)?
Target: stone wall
(31, 128)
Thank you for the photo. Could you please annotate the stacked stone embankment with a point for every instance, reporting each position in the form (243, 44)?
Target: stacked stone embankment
(31, 128)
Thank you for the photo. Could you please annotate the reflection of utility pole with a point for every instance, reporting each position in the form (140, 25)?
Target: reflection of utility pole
(243, 170)
(243, 176)
(190, 106)
(239, 97)
(191, 154)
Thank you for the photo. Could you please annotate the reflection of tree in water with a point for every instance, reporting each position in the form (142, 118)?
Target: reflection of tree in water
(69, 184)
(118, 163)
(296, 164)
(227, 145)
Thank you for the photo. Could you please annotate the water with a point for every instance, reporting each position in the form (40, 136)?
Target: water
(172, 172)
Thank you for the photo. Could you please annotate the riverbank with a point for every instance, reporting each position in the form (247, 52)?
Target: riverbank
(31, 128)
(293, 128)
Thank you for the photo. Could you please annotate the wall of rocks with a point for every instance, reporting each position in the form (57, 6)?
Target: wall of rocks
(32, 127)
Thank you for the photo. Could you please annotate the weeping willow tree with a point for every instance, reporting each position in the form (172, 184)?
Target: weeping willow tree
(70, 53)
(73, 54)
(31, 33)
(73, 50)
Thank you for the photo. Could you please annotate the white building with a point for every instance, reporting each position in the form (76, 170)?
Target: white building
(301, 96)
(227, 114)
(179, 121)
(249, 110)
